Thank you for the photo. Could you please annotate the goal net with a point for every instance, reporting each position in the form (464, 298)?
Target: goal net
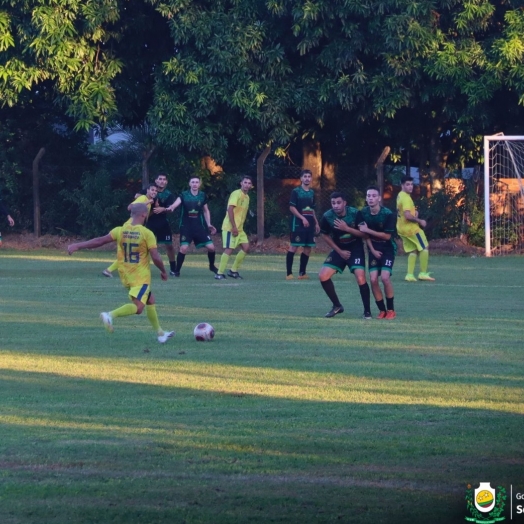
(504, 194)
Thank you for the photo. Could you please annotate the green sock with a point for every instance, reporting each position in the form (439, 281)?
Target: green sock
(412, 260)
(223, 263)
(424, 260)
(153, 318)
(124, 311)
(238, 260)
(113, 266)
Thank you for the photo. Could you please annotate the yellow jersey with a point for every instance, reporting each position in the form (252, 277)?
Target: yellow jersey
(405, 227)
(133, 245)
(142, 199)
(241, 202)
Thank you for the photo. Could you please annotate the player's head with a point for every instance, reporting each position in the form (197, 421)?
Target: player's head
(407, 183)
(306, 177)
(152, 190)
(195, 183)
(338, 202)
(161, 181)
(246, 183)
(373, 196)
(139, 212)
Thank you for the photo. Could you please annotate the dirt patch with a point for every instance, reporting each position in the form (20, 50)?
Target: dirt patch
(271, 245)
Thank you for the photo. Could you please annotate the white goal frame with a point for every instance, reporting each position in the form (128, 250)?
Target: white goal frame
(495, 168)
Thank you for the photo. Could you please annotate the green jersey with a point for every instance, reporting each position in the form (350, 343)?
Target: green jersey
(304, 202)
(342, 239)
(383, 222)
(192, 210)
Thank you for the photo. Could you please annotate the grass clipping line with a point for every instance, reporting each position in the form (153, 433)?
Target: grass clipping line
(274, 383)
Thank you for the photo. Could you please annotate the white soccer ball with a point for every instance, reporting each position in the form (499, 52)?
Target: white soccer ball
(204, 332)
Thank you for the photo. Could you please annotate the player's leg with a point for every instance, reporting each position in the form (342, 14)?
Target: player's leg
(363, 287)
(423, 254)
(108, 272)
(185, 241)
(162, 336)
(385, 276)
(241, 255)
(229, 244)
(211, 254)
(138, 296)
(309, 242)
(410, 247)
(290, 256)
(170, 251)
(333, 264)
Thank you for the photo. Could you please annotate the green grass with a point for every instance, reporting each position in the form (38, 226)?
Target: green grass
(285, 417)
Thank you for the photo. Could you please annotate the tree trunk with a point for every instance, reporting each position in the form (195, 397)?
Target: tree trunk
(379, 166)
(146, 155)
(312, 160)
(36, 193)
(260, 194)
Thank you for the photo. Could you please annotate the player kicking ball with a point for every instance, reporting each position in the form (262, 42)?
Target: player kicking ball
(135, 246)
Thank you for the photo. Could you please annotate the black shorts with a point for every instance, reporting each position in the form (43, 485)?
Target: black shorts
(303, 236)
(198, 235)
(162, 232)
(385, 262)
(357, 260)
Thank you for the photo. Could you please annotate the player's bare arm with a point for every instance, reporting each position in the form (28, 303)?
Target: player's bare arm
(412, 218)
(207, 216)
(375, 252)
(174, 205)
(155, 257)
(343, 253)
(231, 215)
(301, 217)
(375, 234)
(342, 226)
(90, 244)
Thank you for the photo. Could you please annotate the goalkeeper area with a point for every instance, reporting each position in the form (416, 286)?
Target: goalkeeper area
(286, 416)
(504, 194)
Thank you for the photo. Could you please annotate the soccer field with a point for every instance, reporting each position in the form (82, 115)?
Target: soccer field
(285, 417)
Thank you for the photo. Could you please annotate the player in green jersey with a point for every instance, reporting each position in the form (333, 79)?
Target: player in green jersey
(195, 224)
(304, 225)
(339, 227)
(379, 224)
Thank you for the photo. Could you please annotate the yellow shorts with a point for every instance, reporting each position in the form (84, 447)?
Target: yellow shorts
(231, 242)
(417, 241)
(140, 293)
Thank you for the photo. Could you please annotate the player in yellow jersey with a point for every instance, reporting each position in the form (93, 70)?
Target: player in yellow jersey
(135, 246)
(409, 228)
(147, 199)
(233, 234)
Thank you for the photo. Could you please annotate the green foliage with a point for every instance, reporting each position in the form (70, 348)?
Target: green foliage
(99, 207)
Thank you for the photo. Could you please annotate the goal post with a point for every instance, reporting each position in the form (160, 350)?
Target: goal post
(504, 194)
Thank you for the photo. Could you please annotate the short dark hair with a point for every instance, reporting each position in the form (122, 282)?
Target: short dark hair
(406, 178)
(151, 184)
(248, 177)
(337, 194)
(160, 174)
(373, 187)
(305, 171)
(194, 176)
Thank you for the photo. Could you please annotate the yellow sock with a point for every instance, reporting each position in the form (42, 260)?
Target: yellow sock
(153, 318)
(238, 260)
(412, 260)
(124, 311)
(224, 259)
(113, 266)
(424, 260)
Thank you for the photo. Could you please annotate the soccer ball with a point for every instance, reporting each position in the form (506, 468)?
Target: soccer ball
(204, 332)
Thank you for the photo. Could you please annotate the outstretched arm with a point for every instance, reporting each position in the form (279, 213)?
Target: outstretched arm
(157, 260)
(90, 244)
(174, 205)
